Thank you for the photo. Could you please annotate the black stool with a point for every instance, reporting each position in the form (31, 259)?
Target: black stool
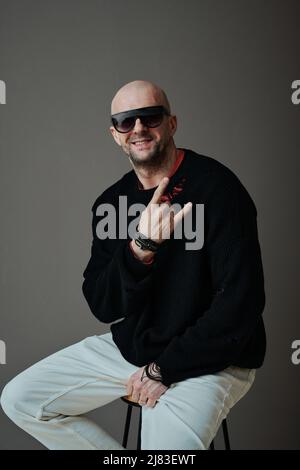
(132, 403)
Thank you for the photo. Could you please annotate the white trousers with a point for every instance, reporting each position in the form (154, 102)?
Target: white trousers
(48, 400)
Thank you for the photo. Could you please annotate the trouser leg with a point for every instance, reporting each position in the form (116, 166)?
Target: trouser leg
(48, 399)
(189, 414)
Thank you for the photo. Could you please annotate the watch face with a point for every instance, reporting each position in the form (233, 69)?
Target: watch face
(145, 244)
(140, 244)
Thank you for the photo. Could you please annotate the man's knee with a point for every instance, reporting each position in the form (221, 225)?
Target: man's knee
(15, 398)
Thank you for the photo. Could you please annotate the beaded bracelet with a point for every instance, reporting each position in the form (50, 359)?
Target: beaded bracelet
(150, 370)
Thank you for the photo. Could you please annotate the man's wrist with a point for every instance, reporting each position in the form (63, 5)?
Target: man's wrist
(145, 256)
(152, 371)
(146, 244)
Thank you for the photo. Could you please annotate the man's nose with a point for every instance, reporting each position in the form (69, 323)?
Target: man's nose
(139, 125)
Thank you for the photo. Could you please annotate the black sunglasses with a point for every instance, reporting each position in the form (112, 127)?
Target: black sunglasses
(151, 116)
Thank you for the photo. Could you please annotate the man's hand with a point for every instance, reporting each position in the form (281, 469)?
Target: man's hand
(158, 220)
(149, 389)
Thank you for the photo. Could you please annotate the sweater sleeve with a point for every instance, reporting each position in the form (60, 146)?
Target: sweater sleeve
(218, 336)
(115, 281)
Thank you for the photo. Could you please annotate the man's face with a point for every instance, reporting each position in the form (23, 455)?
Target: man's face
(156, 140)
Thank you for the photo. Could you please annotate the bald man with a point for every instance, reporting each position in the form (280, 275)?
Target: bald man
(186, 329)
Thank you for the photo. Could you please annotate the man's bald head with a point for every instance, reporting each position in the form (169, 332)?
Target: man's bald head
(139, 94)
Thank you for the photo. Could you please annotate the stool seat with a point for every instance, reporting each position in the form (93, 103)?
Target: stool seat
(128, 399)
(130, 402)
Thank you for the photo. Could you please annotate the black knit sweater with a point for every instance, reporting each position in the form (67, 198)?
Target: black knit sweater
(193, 312)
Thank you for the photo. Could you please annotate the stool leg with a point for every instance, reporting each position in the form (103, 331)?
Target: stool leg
(127, 424)
(226, 435)
(212, 445)
(139, 431)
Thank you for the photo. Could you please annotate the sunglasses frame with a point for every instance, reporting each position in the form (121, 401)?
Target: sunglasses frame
(138, 112)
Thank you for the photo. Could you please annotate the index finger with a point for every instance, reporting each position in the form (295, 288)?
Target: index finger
(160, 190)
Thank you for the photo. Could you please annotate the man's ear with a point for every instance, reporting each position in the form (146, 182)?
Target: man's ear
(173, 124)
(115, 135)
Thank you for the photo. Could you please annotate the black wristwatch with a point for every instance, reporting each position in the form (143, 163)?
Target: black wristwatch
(145, 243)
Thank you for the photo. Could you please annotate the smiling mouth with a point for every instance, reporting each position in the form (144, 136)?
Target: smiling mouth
(142, 143)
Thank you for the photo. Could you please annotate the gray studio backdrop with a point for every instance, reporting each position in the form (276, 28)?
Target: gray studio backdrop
(228, 69)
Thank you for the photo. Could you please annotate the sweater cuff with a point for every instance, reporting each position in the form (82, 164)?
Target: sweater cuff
(135, 265)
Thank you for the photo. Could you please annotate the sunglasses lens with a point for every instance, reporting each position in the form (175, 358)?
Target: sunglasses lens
(127, 124)
(153, 120)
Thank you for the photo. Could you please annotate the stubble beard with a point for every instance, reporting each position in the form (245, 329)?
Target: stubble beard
(154, 160)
